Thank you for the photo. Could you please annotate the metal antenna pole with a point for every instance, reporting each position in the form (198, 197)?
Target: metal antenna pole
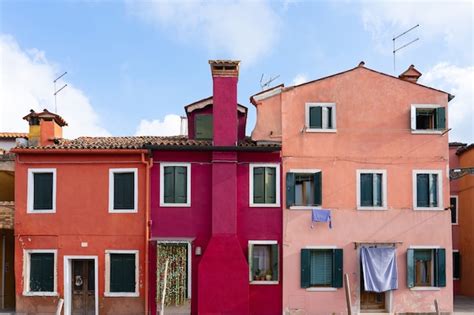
(397, 49)
(57, 91)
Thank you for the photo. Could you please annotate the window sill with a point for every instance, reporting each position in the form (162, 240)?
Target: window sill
(264, 282)
(320, 130)
(123, 211)
(304, 207)
(428, 208)
(427, 132)
(456, 278)
(33, 211)
(425, 289)
(175, 205)
(121, 294)
(455, 223)
(372, 208)
(321, 289)
(40, 293)
(264, 205)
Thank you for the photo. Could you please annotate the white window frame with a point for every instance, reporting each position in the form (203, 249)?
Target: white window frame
(162, 184)
(114, 171)
(305, 171)
(413, 119)
(31, 187)
(432, 248)
(252, 166)
(456, 251)
(384, 188)
(264, 242)
(27, 272)
(324, 118)
(107, 292)
(457, 208)
(320, 247)
(440, 190)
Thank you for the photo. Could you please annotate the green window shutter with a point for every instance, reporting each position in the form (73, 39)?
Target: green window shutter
(315, 117)
(168, 182)
(180, 184)
(441, 118)
(122, 273)
(290, 189)
(270, 185)
(321, 264)
(275, 262)
(305, 267)
(250, 259)
(456, 265)
(43, 191)
(440, 262)
(318, 188)
(203, 127)
(378, 190)
(42, 272)
(338, 268)
(422, 190)
(124, 190)
(259, 185)
(366, 190)
(433, 186)
(330, 113)
(410, 268)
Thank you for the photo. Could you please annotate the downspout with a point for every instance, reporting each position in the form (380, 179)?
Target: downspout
(148, 163)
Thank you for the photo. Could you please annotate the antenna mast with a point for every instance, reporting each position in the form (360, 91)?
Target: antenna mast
(57, 91)
(397, 49)
(264, 85)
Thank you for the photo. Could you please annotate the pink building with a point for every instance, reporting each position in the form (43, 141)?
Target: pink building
(372, 149)
(216, 212)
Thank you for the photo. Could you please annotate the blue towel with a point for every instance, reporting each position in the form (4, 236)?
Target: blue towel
(379, 266)
(320, 215)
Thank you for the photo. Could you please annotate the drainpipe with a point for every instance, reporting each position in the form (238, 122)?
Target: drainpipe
(148, 163)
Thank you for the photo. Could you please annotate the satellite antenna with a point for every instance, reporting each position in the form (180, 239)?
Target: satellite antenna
(57, 91)
(403, 46)
(265, 84)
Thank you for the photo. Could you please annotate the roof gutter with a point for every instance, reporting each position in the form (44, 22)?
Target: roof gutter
(79, 151)
(211, 148)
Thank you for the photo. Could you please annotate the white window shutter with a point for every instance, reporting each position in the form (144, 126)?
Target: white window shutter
(413, 117)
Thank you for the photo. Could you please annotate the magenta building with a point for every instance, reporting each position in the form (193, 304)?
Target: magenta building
(216, 217)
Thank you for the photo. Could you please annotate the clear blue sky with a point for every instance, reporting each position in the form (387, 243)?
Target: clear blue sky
(139, 61)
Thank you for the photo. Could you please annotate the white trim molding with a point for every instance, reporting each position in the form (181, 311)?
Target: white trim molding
(383, 172)
(27, 269)
(457, 208)
(30, 193)
(304, 171)
(107, 292)
(252, 166)
(439, 190)
(162, 184)
(413, 109)
(250, 245)
(68, 285)
(112, 172)
(324, 118)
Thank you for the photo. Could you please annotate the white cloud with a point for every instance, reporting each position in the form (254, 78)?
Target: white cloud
(449, 20)
(460, 82)
(170, 126)
(238, 29)
(26, 82)
(300, 79)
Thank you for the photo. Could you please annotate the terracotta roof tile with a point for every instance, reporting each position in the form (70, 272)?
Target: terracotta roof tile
(13, 135)
(138, 142)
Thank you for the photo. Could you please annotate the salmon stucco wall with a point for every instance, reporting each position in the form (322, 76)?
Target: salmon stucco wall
(82, 217)
(372, 132)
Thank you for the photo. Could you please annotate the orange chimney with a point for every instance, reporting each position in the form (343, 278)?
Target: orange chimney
(45, 127)
(410, 75)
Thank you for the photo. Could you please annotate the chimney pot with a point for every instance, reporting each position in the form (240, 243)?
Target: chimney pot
(410, 75)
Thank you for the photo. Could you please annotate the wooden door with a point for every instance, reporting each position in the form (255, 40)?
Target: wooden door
(83, 287)
(370, 300)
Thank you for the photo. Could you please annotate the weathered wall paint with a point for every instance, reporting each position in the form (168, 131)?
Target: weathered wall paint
(81, 216)
(373, 132)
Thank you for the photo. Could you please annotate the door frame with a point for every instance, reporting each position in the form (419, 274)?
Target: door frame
(189, 262)
(388, 294)
(68, 285)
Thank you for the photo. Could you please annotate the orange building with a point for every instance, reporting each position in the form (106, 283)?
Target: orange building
(79, 222)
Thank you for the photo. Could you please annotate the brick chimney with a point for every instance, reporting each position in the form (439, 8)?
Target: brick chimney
(410, 75)
(225, 75)
(45, 127)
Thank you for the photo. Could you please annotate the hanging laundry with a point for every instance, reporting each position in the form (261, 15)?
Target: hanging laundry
(321, 215)
(379, 267)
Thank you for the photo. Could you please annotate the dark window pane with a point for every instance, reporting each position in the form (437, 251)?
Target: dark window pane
(304, 190)
(422, 190)
(43, 191)
(124, 190)
(122, 273)
(321, 267)
(42, 272)
(366, 190)
(315, 117)
(456, 265)
(453, 207)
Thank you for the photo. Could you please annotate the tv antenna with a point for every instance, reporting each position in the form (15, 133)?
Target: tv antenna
(57, 91)
(265, 84)
(403, 46)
